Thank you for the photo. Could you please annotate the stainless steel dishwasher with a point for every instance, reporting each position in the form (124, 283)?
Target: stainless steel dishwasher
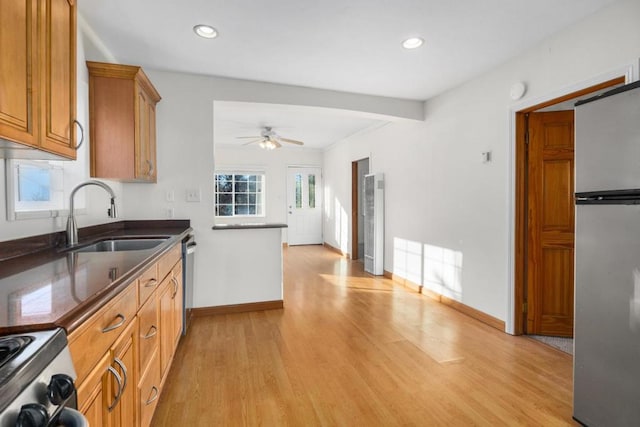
(188, 264)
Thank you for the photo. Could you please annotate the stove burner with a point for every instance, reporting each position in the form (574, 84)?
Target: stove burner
(11, 346)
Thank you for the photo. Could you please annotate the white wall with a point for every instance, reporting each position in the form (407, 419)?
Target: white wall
(447, 214)
(185, 151)
(274, 163)
(97, 200)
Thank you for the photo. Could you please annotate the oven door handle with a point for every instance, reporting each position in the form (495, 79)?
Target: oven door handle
(119, 394)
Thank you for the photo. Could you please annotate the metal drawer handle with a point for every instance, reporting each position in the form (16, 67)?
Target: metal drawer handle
(82, 134)
(150, 283)
(175, 287)
(119, 381)
(151, 169)
(125, 375)
(155, 396)
(117, 325)
(152, 332)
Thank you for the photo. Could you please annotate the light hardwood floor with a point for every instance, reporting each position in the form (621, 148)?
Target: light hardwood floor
(350, 349)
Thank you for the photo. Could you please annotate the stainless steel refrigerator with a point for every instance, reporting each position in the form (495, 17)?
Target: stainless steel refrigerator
(607, 255)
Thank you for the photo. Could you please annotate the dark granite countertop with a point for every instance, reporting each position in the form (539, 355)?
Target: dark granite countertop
(248, 226)
(46, 287)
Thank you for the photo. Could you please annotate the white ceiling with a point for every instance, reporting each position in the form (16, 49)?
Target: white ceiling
(344, 45)
(316, 127)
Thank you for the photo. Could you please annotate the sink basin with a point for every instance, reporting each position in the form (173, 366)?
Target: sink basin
(119, 245)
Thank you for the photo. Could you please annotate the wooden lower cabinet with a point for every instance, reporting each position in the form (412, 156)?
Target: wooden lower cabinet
(149, 390)
(122, 355)
(91, 394)
(107, 397)
(121, 395)
(170, 317)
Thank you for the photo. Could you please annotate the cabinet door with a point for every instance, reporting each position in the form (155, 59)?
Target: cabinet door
(145, 166)
(18, 71)
(122, 392)
(148, 338)
(149, 390)
(58, 76)
(177, 304)
(92, 393)
(151, 143)
(166, 324)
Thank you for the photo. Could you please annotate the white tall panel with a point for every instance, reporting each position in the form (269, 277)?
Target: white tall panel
(374, 224)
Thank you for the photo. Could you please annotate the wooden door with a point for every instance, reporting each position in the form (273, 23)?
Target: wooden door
(58, 76)
(550, 243)
(19, 71)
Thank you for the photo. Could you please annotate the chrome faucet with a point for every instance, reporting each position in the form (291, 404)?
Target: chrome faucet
(72, 228)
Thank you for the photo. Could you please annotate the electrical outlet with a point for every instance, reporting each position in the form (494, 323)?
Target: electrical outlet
(193, 195)
(170, 196)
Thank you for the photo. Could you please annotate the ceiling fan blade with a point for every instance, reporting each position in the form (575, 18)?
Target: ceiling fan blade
(276, 143)
(245, 137)
(251, 142)
(292, 141)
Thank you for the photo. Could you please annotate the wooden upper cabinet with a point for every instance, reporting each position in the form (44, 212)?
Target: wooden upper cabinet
(122, 109)
(38, 75)
(59, 77)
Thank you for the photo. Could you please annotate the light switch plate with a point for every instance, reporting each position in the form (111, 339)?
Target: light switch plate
(170, 196)
(193, 195)
(486, 157)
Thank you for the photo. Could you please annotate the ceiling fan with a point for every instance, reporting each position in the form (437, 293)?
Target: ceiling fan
(269, 139)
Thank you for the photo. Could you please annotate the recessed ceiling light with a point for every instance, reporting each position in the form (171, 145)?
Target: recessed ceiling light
(206, 31)
(412, 43)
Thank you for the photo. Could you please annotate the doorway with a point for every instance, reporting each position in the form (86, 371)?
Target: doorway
(304, 205)
(359, 169)
(545, 211)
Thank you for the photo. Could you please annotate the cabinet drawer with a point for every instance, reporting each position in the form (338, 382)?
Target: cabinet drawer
(149, 331)
(169, 259)
(147, 283)
(94, 337)
(149, 390)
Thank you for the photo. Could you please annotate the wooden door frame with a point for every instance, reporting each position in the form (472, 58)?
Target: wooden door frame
(520, 252)
(355, 192)
(354, 210)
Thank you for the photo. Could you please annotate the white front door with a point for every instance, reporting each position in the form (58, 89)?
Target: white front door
(304, 205)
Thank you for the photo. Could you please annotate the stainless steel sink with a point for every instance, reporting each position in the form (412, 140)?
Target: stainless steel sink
(119, 245)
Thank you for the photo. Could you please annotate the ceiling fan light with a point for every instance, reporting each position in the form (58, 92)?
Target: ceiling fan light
(263, 144)
(206, 31)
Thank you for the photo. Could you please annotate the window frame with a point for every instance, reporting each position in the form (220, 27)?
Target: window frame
(234, 172)
(38, 210)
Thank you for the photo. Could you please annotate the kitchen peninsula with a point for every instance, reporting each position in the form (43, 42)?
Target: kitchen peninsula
(248, 262)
